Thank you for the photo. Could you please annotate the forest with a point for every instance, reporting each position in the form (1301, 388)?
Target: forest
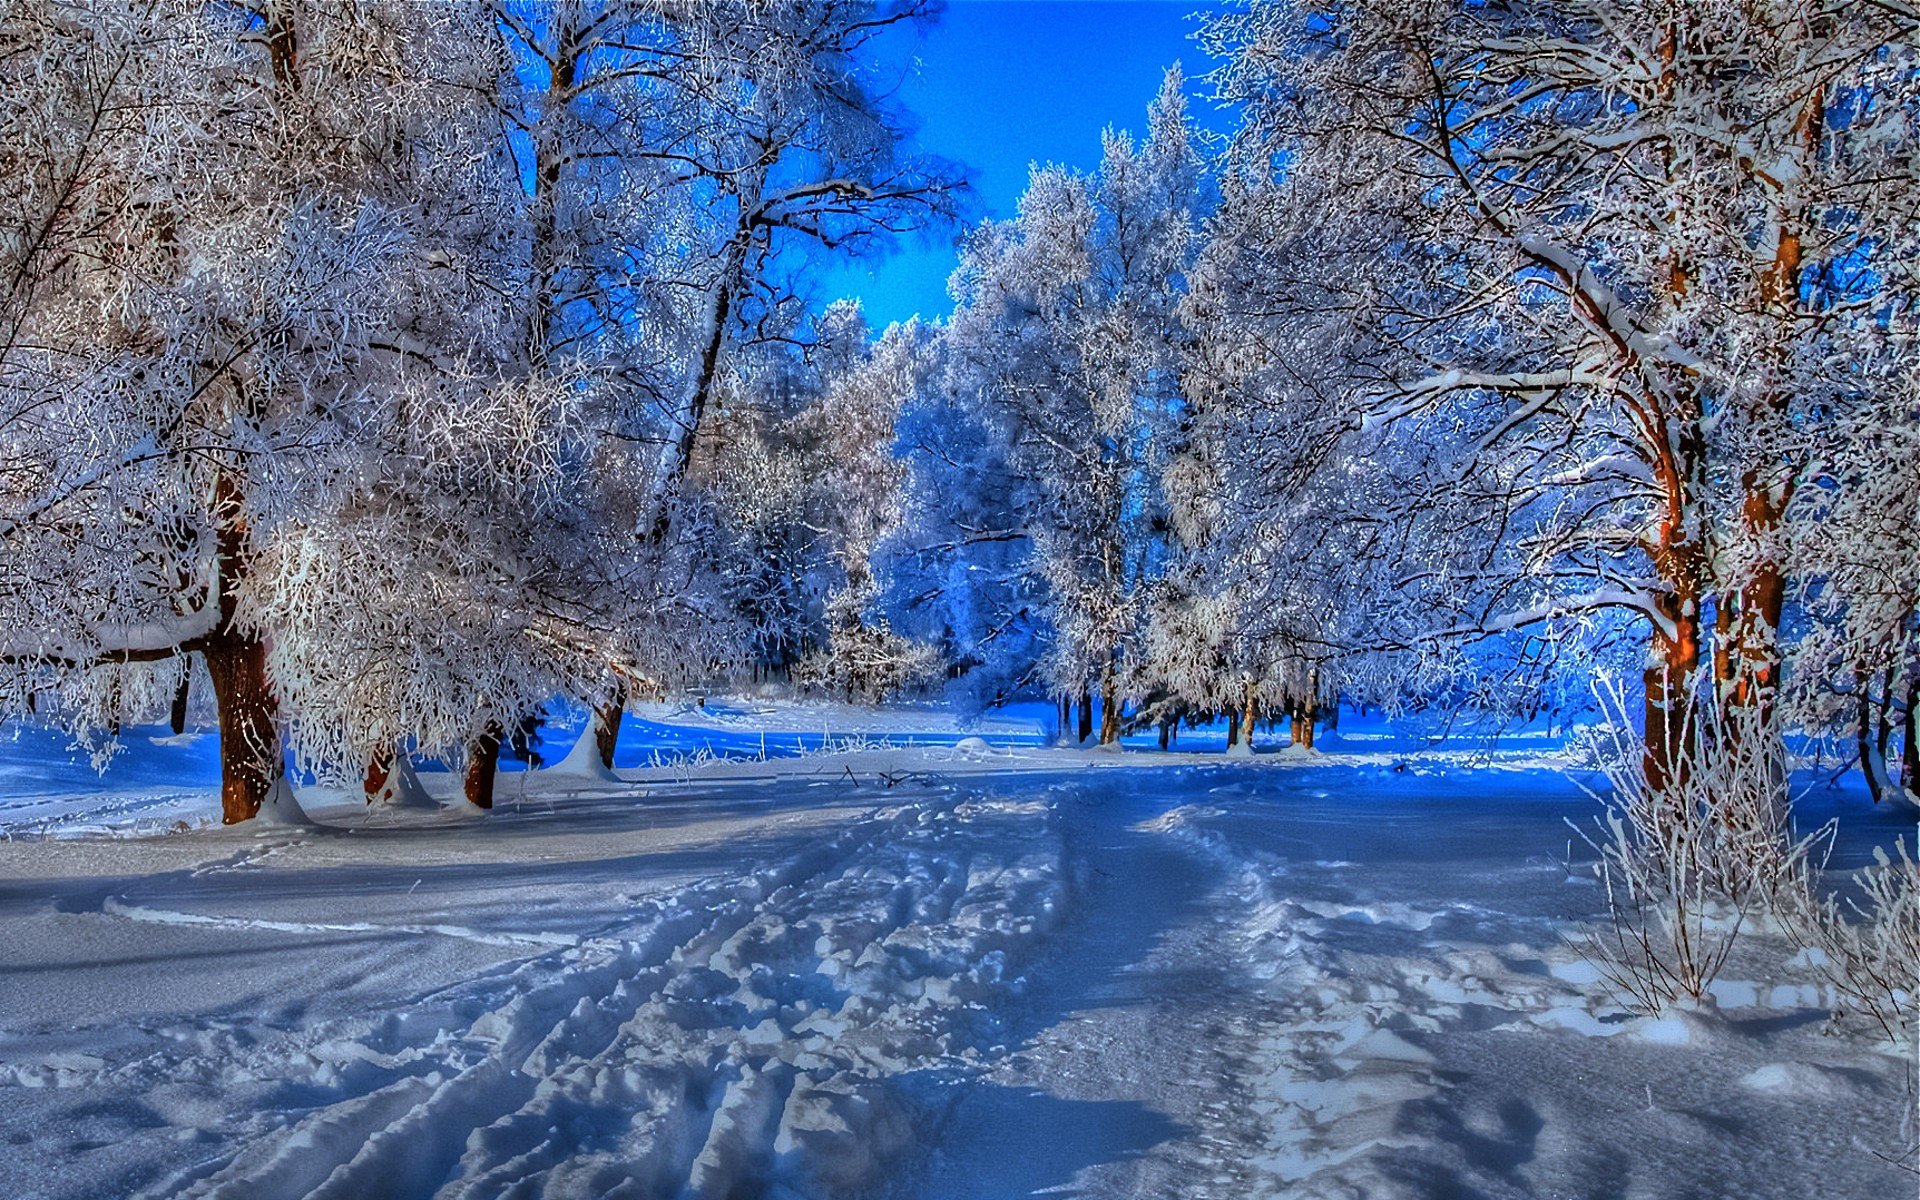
(384, 384)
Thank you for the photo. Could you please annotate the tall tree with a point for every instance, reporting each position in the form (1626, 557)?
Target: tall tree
(1066, 331)
(1613, 219)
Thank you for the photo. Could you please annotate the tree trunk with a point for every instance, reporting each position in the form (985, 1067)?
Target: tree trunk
(379, 773)
(1109, 707)
(1870, 766)
(1768, 481)
(250, 761)
(1310, 708)
(483, 759)
(1086, 717)
(1233, 728)
(1165, 727)
(1248, 707)
(1673, 663)
(1066, 716)
(177, 716)
(606, 723)
(521, 742)
(1909, 748)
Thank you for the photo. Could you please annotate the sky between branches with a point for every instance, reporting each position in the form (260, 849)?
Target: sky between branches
(1001, 84)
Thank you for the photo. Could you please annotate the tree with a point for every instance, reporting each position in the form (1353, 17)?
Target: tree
(1578, 191)
(681, 164)
(214, 280)
(1065, 331)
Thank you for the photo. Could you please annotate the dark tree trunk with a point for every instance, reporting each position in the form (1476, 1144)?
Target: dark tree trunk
(1233, 728)
(1110, 705)
(1909, 748)
(526, 733)
(606, 723)
(1086, 716)
(483, 759)
(249, 734)
(177, 716)
(1166, 729)
(1869, 750)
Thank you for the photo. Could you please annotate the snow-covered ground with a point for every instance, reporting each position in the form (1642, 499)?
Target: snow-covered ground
(912, 966)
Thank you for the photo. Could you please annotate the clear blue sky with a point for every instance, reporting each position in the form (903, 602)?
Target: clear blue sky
(1000, 84)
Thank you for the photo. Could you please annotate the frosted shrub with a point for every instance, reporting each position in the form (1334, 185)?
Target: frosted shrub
(1690, 856)
(867, 662)
(1869, 943)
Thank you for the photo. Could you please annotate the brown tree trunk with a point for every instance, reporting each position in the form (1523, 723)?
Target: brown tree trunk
(250, 761)
(1673, 665)
(177, 716)
(483, 759)
(379, 771)
(1310, 708)
(1767, 483)
(606, 723)
(1248, 707)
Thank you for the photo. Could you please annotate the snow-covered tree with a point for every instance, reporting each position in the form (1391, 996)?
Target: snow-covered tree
(314, 375)
(1617, 224)
(229, 276)
(1066, 332)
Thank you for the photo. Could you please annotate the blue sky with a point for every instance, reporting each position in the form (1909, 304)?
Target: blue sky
(1000, 84)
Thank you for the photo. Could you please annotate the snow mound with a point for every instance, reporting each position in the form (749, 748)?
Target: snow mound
(583, 761)
(1801, 1079)
(975, 749)
(281, 809)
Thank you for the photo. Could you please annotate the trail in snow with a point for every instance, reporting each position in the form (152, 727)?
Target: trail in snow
(741, 1042)
(901, 974)
(1265, 992)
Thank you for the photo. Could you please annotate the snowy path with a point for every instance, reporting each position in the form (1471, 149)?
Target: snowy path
(1058, 976)
(1263, 993)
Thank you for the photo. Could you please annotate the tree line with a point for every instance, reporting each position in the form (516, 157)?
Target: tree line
(1493, 348)
(373, 374)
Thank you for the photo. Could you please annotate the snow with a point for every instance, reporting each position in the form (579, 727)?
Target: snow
(936, 970)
